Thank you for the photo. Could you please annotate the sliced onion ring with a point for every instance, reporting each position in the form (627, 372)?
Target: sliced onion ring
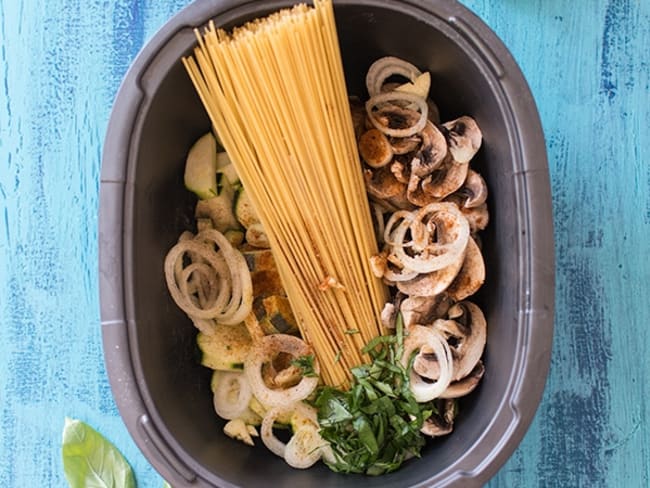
(264, 351)
(384, 68)
(453, 235)
(220, 278)
(308, 417)
(305, 447)
(426, 339)
(393, 96)
(232, 394)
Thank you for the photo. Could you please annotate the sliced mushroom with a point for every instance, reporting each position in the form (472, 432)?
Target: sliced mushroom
(401, 170)
(468, 336)
(478, 217)
(426, 363)
(471, 275)
(466, 332)
(441, 423)
(432, 152)
(416, 195)
(424, 310)
(375, 149)
(474, 190)
(405, 145)
(431, 284)
(388, 315)
(383, 187)
(465, 386)
(463, 137)
(393, 116)
(381, 183)
(445, 180)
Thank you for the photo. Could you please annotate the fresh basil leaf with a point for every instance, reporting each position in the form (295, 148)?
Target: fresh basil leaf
(374, 426)
(385, 388)
(335, 411)
(366, 435)
(90, 460)
(306, 365)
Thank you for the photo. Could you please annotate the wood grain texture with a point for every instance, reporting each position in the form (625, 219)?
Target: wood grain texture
(588, 65)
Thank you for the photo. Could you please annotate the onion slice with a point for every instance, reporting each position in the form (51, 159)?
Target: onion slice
(302, 415)
(216, 284)
(264, 351)
(427, 339)
(232, 394)
(396, 96)
(304, 448)
(384, 68)
(439, 236)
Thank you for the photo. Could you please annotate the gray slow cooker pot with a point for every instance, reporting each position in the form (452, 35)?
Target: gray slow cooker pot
(162, 392)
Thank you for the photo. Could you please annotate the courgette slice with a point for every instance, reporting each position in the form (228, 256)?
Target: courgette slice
(219, 208)
(226, 348)
(244, 210)
(278, 317)
(201, 167)
(225, 167)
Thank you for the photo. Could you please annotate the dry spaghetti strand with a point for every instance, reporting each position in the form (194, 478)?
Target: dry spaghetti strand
(275, 92)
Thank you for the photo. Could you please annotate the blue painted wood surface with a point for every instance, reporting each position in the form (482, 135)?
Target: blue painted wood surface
(588, 65)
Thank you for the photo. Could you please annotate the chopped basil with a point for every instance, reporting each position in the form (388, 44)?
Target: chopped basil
(306, 365)
(374, 426)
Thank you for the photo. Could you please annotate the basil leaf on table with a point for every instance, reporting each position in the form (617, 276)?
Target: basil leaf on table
(90, 460)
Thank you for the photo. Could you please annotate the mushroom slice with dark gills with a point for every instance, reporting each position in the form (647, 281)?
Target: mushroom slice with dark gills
(463, 137)
(392, 116)
(431, 153)
(471, 275)
(465, 386)
(477, 217)
(441, 422)
(405, 145)
(474, 190)
(466, 333)
(425, 164)
(383, 187)
(385, 266)
(445, 180)
(422, 309)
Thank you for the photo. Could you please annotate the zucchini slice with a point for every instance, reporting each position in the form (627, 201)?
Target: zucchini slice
(201, 167)
(226, 349)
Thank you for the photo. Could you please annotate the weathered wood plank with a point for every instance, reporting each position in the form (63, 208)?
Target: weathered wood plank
(588, 69)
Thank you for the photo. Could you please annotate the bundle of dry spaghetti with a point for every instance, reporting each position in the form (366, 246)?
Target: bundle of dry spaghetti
(275, 92)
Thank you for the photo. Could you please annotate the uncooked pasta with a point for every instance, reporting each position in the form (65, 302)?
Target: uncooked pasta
(275, 92)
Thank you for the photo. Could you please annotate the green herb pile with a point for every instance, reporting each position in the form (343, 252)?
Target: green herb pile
(374, 426)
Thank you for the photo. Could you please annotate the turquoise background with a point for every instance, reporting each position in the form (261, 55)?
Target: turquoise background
(588, 65)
